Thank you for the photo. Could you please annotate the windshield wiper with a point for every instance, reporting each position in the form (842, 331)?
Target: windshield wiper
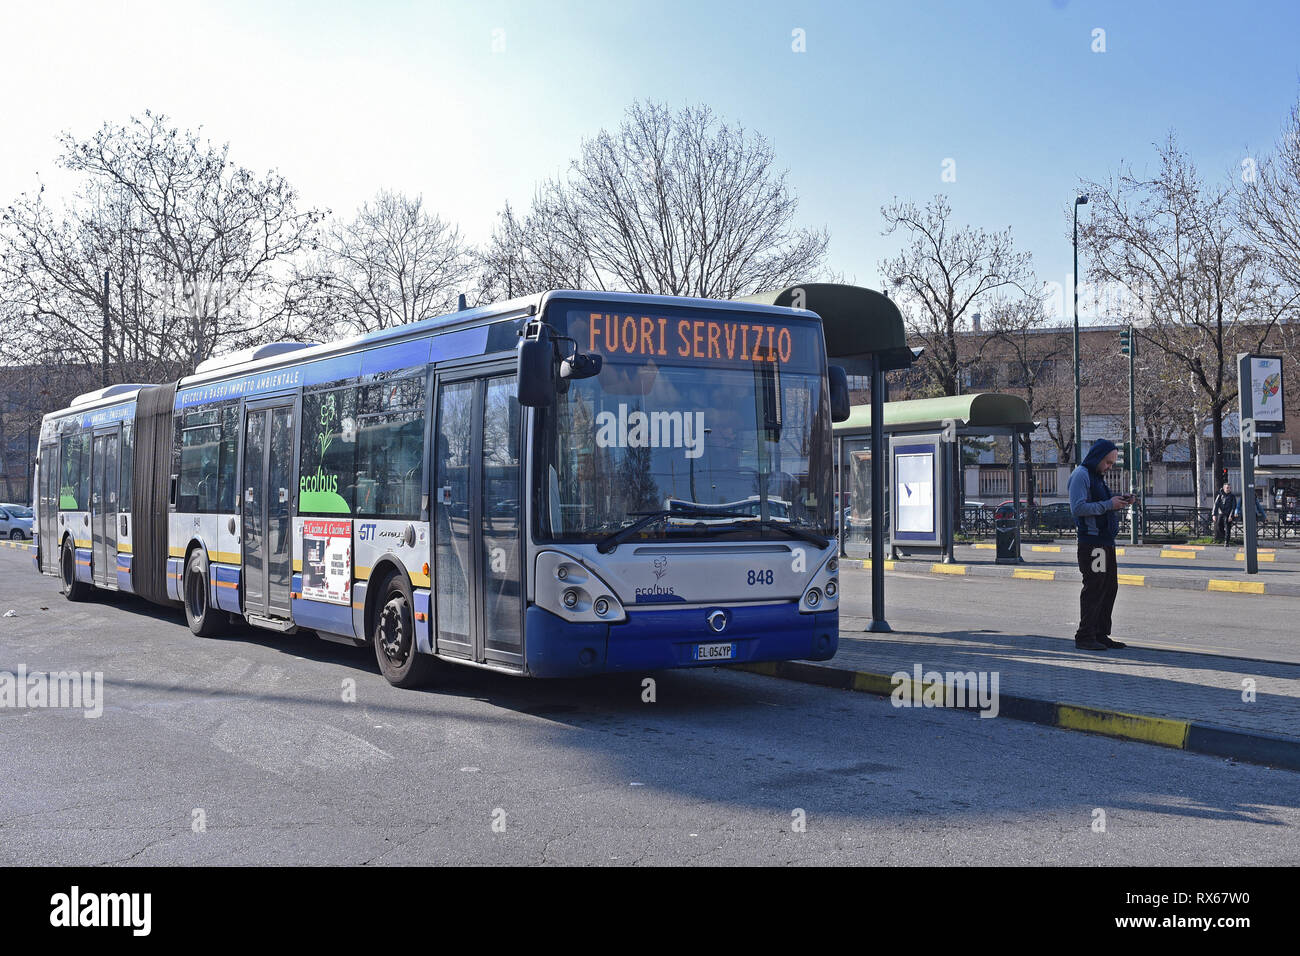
(647, 518)
(786, 529)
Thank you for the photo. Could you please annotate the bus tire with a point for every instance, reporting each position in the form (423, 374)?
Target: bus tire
(203, 619)
(393, 636)
(73, 589)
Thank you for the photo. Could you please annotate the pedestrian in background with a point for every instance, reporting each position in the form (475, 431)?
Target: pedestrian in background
(1096, 515)
(1225, 503)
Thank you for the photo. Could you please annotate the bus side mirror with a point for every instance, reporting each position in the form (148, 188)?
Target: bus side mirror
(536, 372)
(579, 366)
(839, 380)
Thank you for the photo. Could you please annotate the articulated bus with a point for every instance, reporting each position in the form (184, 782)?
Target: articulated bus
(560, 485)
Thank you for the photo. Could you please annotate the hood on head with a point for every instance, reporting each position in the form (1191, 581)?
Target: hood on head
(1099, 450)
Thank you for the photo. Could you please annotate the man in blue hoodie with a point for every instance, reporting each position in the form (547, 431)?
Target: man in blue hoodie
(1096, 517)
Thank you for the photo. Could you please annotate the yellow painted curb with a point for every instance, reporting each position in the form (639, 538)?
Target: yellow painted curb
(985, 547)
(873, 683)
(1032, 574)
(1054, 548)
(948, 568)
(1119, 552)
(1136, 580)
(1239, 587)
(1188, 547)
(1262, 557)
(889, 565)
(1154, 730)
(1185, 555)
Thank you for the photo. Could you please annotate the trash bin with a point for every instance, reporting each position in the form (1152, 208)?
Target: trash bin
(1006, 528)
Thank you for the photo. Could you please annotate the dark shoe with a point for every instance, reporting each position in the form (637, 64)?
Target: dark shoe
(1105, 640)
(1088, 644)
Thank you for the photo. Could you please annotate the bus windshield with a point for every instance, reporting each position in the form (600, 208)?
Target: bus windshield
(720, 419)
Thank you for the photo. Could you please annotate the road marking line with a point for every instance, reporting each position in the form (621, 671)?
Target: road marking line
(1185, 555)
(1239, 587)
(1031, 574)
(1136, 580)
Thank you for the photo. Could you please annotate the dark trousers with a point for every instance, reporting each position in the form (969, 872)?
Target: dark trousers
(1100, 585)
(1220, 529)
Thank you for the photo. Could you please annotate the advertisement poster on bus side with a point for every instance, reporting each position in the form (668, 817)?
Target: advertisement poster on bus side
(327, 560)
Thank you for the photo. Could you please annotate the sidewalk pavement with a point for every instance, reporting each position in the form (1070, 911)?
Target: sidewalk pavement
(1245, 710)
(1272, 579)
(1215, 553)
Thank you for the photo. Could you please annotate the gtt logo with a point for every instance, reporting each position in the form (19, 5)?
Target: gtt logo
(365, 532)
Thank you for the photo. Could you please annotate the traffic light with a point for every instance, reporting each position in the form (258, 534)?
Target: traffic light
(1124, 456)
(1127, 342)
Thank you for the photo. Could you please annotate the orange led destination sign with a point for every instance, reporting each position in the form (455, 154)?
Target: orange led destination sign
(644, 336)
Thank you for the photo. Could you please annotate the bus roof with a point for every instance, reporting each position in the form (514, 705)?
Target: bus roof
(259, 360)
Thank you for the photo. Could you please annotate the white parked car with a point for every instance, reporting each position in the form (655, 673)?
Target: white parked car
(15, 522)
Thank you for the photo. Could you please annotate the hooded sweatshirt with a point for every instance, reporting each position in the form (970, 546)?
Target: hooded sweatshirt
(1090, 498)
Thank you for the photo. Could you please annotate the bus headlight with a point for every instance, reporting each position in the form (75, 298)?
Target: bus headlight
(823, 590)
(569, 589)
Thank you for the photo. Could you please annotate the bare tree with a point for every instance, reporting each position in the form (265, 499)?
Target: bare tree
(1018, 328)
(393, 263)
(1198, 288)
(941, 277)
(672, 202)
(529, 255)
(196, 249)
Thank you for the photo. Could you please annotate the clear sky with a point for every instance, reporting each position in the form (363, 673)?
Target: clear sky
(470, 104)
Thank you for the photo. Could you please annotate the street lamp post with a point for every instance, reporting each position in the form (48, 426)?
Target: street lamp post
(1078, 415)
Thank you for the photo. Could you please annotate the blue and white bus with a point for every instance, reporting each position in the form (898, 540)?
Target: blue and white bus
(565, 484)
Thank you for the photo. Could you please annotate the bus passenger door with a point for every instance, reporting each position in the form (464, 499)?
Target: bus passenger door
(265, 510)
(49, 491)
(476, 519)
(103, 509)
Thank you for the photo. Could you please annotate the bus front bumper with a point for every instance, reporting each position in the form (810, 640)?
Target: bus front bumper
(667, 638)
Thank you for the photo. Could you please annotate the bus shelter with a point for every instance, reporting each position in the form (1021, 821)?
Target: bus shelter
(922, 471)
(864, 335)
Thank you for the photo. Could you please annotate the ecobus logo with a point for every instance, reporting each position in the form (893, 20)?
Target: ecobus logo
(639, 429)
(68, 689)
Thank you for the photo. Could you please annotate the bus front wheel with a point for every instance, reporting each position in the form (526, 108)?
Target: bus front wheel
(73, 589)
(394, 638)
(203, 619)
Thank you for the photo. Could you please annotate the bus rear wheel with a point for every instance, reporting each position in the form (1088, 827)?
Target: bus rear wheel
(203, 619)
(394, 638)
(73, 589)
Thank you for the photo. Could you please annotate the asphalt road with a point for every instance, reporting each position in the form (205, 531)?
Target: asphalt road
(252, 729)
